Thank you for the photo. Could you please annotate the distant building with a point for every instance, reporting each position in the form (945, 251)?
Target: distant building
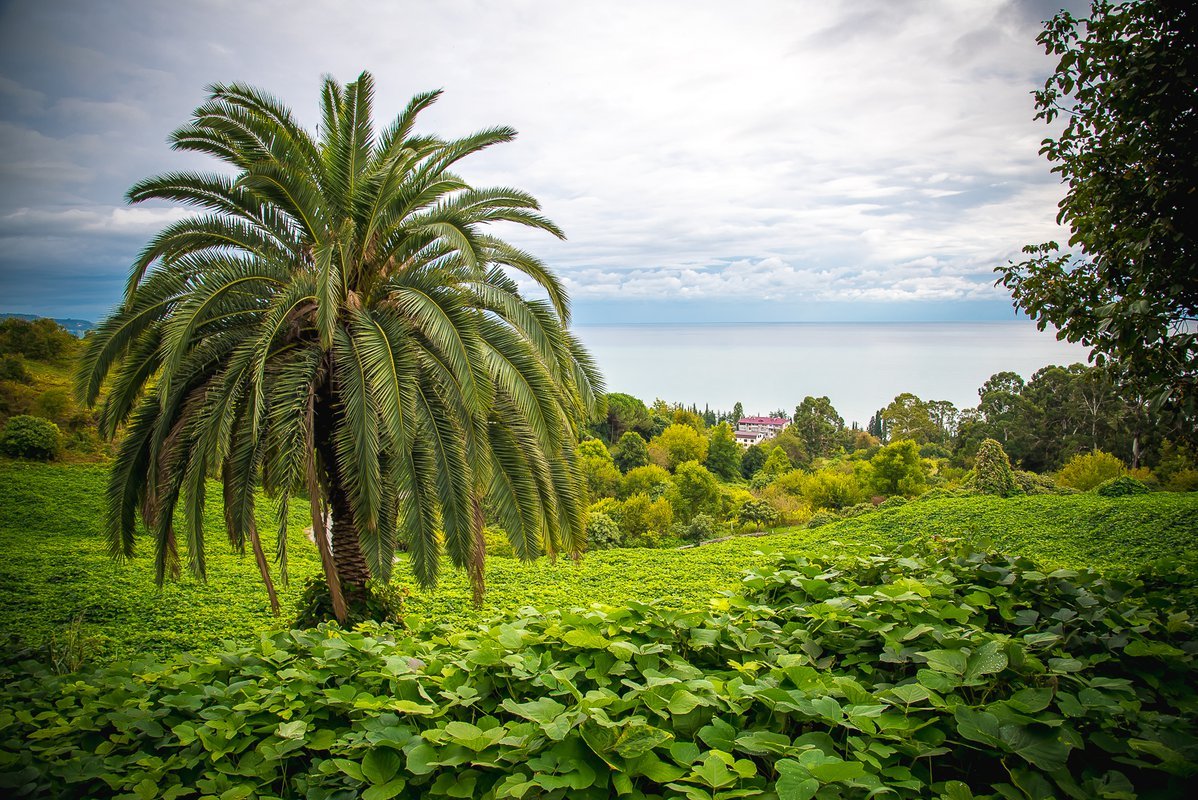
(747, 439)
(754, 430)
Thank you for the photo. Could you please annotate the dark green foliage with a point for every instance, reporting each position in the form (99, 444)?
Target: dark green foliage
(758, 513)
(40, 339)
(820, 519)
(924, 674)
(630, 452)
(992, 471)
(1124, 86)
(30, 437)
(1122, 486)
(379, 603)
(602, 531)
(700, 528)
(723, 453)
(752, 460)
(892, 502)
(12, 368)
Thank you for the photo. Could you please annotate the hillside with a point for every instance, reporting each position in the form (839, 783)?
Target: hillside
(56, 567)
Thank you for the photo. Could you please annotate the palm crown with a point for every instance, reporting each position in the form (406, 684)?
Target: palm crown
(334, 321)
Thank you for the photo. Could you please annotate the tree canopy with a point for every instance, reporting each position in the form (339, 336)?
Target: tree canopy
(1128, 285)
(337, 321)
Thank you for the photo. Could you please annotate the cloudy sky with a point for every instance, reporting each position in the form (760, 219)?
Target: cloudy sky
(774, 161)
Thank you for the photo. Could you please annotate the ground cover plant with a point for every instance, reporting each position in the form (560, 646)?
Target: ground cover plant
(929, 673)
(56, 572)
(56, 569)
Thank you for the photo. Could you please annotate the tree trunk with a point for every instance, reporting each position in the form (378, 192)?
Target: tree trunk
(347, 552)
(352, 571)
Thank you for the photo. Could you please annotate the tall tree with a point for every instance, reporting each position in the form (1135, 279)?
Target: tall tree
(818, 425)
(1124, 84)
(335, 321)
(723, 453)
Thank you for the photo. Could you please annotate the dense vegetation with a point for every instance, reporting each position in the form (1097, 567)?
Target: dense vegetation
(945, 673)
(62, 597)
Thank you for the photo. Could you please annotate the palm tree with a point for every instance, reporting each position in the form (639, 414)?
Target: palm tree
(336, 322)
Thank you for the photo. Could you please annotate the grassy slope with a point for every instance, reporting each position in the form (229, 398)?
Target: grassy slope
(55, 565)
(1082, 530)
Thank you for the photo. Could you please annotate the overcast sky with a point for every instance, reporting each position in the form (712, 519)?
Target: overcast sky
(707, 160)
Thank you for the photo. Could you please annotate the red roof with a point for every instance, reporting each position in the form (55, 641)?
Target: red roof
(763, 421)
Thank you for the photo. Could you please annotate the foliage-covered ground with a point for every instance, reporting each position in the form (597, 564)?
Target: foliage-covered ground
(56, 568)
(1075, 531)
(932, 673)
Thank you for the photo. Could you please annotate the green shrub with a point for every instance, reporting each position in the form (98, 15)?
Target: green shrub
(1183, 480)
(857, 510)
(992, 471)
(602, 532)
(30, 437)
(935, 494)
(700, 528)
(820, 518)
(1122, 487)
(12, 368)
(892, 502)
(381, 603)
(1086, 471)
(1031, 483)
(758, 513)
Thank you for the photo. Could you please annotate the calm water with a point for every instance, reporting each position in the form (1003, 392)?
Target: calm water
(860, 366)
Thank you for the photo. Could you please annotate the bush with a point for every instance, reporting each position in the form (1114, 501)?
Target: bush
(30, 437)
(700, 528)
(1122, 487)
(649, 479)
(1031, 483)
(1183, 480)
(12, 368)
(935, 494)
(858, 509)
(892, 502)
(992, 471)
(602, 531)
(1087, 471)
(820, 518)
(758, 513)
(381, 603)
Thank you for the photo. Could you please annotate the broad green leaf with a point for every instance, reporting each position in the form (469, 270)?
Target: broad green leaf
(380, 765)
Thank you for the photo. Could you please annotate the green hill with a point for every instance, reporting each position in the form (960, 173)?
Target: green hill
(56, 569)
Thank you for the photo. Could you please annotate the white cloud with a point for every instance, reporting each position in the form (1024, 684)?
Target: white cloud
(689, 150)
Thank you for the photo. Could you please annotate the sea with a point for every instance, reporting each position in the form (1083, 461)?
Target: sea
(860, 367)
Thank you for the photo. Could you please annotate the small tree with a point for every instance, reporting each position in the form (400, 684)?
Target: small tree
(602, 531)
(758, 512)
(30, 437)
(898, 470)
(696, 490)
(1086, 471)
(630, 452)
(993, 470)
(676, 444)
(649, 479)
(723, 453)
(776, 463)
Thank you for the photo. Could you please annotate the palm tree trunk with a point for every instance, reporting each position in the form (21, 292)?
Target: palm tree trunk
(347, 552)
